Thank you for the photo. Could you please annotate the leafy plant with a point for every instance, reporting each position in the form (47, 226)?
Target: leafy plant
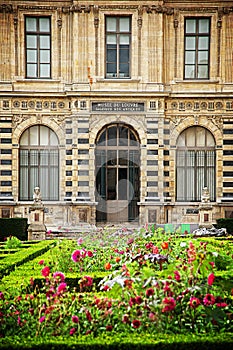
(12, 242)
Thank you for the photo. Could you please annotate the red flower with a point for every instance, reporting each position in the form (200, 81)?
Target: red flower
(138, 300)
(45, 271)
(107, 266)
(75, 319)
(59, 276)
(76, 255)
(169, 304)
(164, 245)
(125, 318)
(209, 299)
(62, 287)
(109, 328)
(149, 292)
(194, 302)
(72, 331)
(88, 316)
(136, 324)
(177, 275)
(90, 254)
(210, 279)
(41, 262)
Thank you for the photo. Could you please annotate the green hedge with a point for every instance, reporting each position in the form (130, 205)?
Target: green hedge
(13, 227)
(225, 223)
(125, 341)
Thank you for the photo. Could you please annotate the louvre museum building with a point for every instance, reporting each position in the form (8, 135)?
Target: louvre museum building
(119, 111)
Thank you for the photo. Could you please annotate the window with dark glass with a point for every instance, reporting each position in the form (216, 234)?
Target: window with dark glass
(38, 47)
(118, 38)
(197, 48)
(195, 164)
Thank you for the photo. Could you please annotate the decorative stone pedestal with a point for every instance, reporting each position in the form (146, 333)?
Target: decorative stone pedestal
(205, 210)
(37, 229)
(205, 216)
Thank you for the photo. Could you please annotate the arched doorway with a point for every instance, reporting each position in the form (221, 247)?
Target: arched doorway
(195, 164)
(117, 174)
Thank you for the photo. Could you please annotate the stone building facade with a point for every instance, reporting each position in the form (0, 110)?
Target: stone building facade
(120, 111)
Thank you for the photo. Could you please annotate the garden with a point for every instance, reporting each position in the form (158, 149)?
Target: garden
(118, 289)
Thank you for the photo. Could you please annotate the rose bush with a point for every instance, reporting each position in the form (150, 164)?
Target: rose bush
(155, 283)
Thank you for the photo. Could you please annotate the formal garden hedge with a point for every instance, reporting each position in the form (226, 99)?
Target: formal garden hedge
(13, 227)
(139, 289)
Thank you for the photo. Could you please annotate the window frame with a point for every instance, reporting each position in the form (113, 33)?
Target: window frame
(38, 34)
(35, 167)
(192, 171)
(118, 33)
(197, 35)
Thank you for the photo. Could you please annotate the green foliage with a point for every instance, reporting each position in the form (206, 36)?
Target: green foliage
(225, 223)
(12, 242)
(13, 227)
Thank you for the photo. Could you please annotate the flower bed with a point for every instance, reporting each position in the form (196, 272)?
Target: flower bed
(153, 283)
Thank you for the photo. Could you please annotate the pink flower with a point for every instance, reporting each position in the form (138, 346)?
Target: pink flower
(72, 331)
(177, 275)
(76, 255)
(45, 271)
(86, 281)
(75, 319)
(209, 299)
(221, 304)
(62, 287)
(90, 254)
(41, 262)
(136, 324)
(42, 319)
(80, 241)
(49, 232)
(169, 304)
(59, 276)
(210, 279)
(194, 302)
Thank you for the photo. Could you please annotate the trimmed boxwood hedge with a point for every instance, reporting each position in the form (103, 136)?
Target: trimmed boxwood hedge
(225, 223)
(124, 341)
(13, 227)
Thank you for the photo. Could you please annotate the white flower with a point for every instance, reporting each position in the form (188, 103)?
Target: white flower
(183, 244)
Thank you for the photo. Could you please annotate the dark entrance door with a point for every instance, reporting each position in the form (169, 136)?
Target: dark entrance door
(117, 174)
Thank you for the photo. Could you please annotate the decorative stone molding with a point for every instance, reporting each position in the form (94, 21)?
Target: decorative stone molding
(216, 120)
(160, 9)
(77, 8)
(18, 119)
(58, 119)
(6, 8)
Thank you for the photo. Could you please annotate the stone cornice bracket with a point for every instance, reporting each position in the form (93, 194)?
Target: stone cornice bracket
(160, 9)
(140, 13)
(6, 8)
(59, 21)
(16, 23)
(96, 15)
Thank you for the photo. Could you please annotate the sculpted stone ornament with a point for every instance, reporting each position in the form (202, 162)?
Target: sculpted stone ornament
(37, 195)
(205, 197)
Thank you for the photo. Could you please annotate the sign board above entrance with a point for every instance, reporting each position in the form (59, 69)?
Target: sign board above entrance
(118, 106)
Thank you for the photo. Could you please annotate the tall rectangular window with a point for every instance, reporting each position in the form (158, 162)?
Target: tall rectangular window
(197, 48)
(118, 40)
(38, 47)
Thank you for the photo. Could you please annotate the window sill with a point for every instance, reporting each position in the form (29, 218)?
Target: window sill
(118, 80)
(197, 81)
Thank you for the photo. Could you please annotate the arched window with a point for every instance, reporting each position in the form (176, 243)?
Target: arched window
(39, 163)
(195, 164)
